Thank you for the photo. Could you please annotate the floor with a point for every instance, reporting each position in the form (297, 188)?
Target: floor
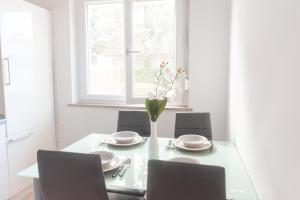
(29, 197)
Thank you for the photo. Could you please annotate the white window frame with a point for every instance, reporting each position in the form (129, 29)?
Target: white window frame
(182, 54)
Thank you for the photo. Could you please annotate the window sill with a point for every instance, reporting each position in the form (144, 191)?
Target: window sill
(126, 106)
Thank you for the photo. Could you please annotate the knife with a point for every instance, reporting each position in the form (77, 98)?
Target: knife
(118, 171)
(125, 167)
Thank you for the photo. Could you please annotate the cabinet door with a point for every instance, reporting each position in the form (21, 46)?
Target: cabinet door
(3, 130)
(22, 151)
(4, 184)
(27, 67)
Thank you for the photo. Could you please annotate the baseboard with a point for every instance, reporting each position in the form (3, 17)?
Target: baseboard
(23, 194)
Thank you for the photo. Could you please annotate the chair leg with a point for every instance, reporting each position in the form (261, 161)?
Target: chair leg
(37, 189)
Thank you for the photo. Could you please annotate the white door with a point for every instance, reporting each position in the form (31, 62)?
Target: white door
(27, 67)
(4, 184)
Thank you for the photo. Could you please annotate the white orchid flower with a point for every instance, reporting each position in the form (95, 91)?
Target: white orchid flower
(165, 84)
(168, 72)
(161, 94)
(151, 96)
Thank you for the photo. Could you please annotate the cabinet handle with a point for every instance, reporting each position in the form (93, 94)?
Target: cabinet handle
(7, 65)
(130, 52)
(19, 138)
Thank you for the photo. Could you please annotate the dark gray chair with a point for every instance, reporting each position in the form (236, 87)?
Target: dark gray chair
(180, 181)
(73, 176)
(137, 121)
(193, 123)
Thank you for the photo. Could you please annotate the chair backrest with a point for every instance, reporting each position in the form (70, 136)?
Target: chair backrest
(193, 123)
(71, 176)
(137, 121)
(179, 181)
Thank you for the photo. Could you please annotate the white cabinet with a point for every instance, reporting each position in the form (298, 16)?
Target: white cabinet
(22, 151)
(4, 186)
(26, 49)
(2, 128)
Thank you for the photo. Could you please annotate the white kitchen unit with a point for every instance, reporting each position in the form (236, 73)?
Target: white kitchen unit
(4, 186)
(26, 51)
(24, 148)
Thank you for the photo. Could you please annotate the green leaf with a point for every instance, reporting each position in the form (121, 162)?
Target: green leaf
(161, 105)
(155, 107)
(148, 104)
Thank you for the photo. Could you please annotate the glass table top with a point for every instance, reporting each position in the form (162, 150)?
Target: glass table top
(225, 154)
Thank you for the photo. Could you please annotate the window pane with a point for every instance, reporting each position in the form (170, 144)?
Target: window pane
(154, 32)
(106, 58)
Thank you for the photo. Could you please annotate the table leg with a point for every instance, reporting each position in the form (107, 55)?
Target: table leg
(37, 189)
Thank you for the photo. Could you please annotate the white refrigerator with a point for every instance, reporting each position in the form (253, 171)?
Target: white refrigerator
(26, 54)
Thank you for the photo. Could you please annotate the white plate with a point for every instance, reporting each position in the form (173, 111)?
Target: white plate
(112, 165)
(125, 137)
(106, 157)
(137, 140)
(192, 141)
(184, 160)
(203, 147)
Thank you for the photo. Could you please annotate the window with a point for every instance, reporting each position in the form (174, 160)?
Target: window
(124, 42)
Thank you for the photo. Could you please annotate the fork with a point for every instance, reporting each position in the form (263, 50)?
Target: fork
(145, 139)
(125, 167)
(117, 172)
(103, 142)
(171, 144)
(212, 147)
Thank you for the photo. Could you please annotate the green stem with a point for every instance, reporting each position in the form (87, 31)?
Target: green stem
(158, 80)
(172, 84)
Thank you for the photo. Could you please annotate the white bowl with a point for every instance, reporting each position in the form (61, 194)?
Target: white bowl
(192, 141)
(184, 160)
(106, 157)
(125, 137)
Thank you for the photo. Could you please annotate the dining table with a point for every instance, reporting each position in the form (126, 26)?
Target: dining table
(222, 153)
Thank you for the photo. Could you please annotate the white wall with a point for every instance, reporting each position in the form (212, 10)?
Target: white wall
(209, 48)
(209, 60)
(42, 3)
(265, 94)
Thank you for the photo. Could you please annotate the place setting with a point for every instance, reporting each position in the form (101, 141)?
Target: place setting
(124, 139)
(191, 142)
(113, 164)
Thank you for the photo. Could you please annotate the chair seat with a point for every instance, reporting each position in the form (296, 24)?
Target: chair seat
(117, 196)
